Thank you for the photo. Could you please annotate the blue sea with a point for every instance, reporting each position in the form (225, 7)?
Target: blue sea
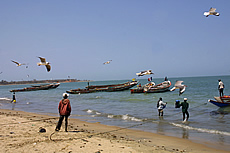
(207, 122)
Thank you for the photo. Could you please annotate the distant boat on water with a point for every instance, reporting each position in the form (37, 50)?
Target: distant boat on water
(106, 88)
(37, 87)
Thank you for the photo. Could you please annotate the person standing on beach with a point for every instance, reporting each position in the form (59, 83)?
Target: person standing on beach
(160, 106)
(64, 109)
(185, 106)
(221, 88)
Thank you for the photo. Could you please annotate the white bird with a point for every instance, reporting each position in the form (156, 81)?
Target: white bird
(43, 62)
(18, 64)
(179, 85)
(107, 62)
(147, 72)
(212, 11)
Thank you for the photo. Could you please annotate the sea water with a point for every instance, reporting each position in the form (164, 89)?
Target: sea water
(207, 122)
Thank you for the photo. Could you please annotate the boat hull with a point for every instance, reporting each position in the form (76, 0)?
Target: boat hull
(219, 104)
(104, 88)
(161, 87)
(38, 87)
(80, 91)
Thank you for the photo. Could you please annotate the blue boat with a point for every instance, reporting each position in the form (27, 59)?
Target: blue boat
(221, 101)
(219, 104)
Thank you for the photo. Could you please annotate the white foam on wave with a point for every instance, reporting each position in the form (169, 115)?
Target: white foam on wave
(201, 129)
(4, 98)
(89, 111)
(110, 116)
(127, 117)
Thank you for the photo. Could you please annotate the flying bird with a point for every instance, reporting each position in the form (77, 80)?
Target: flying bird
(180, 86)
(147, 72)
(18, 64)
(107, 62)
(212, 11)
(43, 62)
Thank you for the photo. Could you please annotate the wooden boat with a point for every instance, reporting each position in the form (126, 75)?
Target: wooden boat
(162, 87)
(123, 87)
(105, 88)
(152, 88)
(80, 91)
(137, 90)
(37, 87)
(221, 101)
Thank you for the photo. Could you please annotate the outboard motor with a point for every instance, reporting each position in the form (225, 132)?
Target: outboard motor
(177, 104)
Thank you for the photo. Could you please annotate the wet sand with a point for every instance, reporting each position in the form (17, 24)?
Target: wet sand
(19, 132)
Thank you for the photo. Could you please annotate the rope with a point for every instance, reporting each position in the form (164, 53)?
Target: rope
(30, 121)
(91, 135)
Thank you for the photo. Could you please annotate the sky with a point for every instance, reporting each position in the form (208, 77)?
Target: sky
(171, 37)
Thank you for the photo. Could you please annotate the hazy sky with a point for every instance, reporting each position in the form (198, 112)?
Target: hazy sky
(171, 37)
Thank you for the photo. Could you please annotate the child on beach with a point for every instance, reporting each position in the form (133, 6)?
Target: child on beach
(64, 109)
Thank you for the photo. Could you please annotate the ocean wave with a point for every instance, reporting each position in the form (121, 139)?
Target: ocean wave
(201, 129)
(4, 98)
(127, 117)
(92, 112)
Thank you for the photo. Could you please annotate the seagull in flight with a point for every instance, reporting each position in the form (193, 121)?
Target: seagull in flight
(18, 64)
(107, 62)
(179, 85)
(147, 72)
(212, 11)
(43, 62)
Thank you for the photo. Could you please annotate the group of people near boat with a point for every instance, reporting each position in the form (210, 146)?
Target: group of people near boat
(185, 105)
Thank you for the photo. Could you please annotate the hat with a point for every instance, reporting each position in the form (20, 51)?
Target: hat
(185, 98)
(65, 94)
(177, 101)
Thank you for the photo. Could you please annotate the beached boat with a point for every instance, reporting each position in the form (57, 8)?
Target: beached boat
(37, 87)
(105, 88)
(152, 88)
(221, 101)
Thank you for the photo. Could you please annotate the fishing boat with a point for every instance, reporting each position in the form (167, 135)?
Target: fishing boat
(161, 87)
(123, 87)
(221, 101)
(104, 88)
(37, 87)
(80, 91)
(152, 88)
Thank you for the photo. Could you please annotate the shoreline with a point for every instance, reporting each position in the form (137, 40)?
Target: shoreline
(20, 132)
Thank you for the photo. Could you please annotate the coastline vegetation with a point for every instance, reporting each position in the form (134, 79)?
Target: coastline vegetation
(4, 82)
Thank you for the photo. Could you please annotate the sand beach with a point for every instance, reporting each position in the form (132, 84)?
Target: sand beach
(20, 132)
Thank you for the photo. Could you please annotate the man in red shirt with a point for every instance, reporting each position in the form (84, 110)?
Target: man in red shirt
(64, 109)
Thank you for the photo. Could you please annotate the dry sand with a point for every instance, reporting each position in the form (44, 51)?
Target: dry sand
(19, 132)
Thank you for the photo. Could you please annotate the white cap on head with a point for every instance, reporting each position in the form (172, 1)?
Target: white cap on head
(65, 94)
(185, 98)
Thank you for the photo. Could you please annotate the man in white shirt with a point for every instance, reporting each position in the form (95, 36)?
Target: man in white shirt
(221, 88)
